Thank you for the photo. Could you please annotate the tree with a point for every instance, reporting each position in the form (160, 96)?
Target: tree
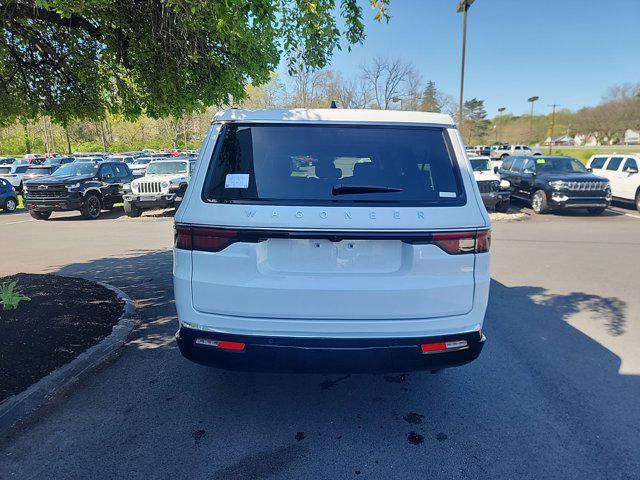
(389, 80)
(475, 124)
(430, 98)
(80, 60)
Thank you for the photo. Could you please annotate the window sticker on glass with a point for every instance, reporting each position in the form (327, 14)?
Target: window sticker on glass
(236, 180)
(541, 161)
(448, 194)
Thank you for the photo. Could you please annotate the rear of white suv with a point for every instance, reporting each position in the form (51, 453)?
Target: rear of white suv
(331, 240)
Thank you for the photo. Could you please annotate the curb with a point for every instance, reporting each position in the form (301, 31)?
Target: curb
(18, 408)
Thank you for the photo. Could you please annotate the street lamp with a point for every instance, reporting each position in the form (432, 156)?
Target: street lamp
(531, 100)
(463, 7)
(500, 110)
(398, 100)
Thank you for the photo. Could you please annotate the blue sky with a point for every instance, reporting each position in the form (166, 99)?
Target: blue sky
(564, 51)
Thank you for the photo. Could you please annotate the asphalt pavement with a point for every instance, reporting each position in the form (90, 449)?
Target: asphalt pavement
(555, 393)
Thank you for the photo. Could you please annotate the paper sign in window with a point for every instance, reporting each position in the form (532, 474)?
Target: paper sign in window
(236, 180)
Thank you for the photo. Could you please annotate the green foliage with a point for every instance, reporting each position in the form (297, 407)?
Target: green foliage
(82, 60)
(10, 297)
(430, 98)
(475, 124)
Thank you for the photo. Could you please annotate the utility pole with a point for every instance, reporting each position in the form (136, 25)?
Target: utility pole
(463, 7)
(553, 124)
(500, 110)
(531, 100)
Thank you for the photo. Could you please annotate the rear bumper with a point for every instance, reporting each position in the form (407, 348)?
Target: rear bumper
(326, 355)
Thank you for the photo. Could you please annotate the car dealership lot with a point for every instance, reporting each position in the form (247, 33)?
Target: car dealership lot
(554, 393)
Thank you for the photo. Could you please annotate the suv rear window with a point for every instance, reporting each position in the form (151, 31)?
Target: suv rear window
(329, 164)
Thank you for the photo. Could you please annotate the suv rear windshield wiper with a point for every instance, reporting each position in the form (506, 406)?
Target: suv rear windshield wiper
(341, 189)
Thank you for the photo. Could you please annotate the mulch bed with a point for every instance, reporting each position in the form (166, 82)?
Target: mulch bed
(64, 317)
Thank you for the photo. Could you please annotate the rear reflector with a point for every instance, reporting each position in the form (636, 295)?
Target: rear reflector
(225, 345)
(443, 346)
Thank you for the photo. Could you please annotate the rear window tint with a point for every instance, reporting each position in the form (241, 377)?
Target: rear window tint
(333, 164)
(598, 162)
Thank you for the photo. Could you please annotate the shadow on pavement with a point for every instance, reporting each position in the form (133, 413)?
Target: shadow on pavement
(543, 401)
(518, 205)
(117, 212)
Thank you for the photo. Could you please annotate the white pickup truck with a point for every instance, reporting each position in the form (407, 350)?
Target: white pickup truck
(621, 169)
(513, 150)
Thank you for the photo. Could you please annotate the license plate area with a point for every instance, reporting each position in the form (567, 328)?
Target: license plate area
(323, 256)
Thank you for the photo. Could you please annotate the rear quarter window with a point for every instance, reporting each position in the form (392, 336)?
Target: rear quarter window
(298, 164)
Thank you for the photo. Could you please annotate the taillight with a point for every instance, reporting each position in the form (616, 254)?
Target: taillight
(455, 243)
(204, 239)
(483, 241)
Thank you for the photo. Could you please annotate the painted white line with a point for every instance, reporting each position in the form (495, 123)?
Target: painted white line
(632, 215)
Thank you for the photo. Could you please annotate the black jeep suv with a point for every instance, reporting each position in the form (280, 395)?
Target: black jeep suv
(85, 186)
(554, 183)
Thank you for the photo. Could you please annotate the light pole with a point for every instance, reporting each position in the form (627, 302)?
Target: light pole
(398, 100)
(500, 110)
(553, 124)
(463, 7)
(531, 100)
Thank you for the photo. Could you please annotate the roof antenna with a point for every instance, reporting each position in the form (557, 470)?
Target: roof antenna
(333, 104)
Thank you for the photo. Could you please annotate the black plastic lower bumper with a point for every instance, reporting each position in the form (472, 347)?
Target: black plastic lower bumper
(326, 355)
(570, 202)
(490, 200)
(54, 204)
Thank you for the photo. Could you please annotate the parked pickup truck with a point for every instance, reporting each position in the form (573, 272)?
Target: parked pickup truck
(622, 172)
(514, 150)
(162, 186)
(89, 187)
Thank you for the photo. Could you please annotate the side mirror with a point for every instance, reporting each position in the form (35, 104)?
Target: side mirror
(589, 169)
(631, 170)
(529, 171)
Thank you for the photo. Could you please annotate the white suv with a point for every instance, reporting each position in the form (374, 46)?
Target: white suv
(331, 240)
(621, 169)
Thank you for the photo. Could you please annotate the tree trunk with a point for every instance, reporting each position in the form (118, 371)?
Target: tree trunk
(104, 137)
(66, 134)
(27, 140)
